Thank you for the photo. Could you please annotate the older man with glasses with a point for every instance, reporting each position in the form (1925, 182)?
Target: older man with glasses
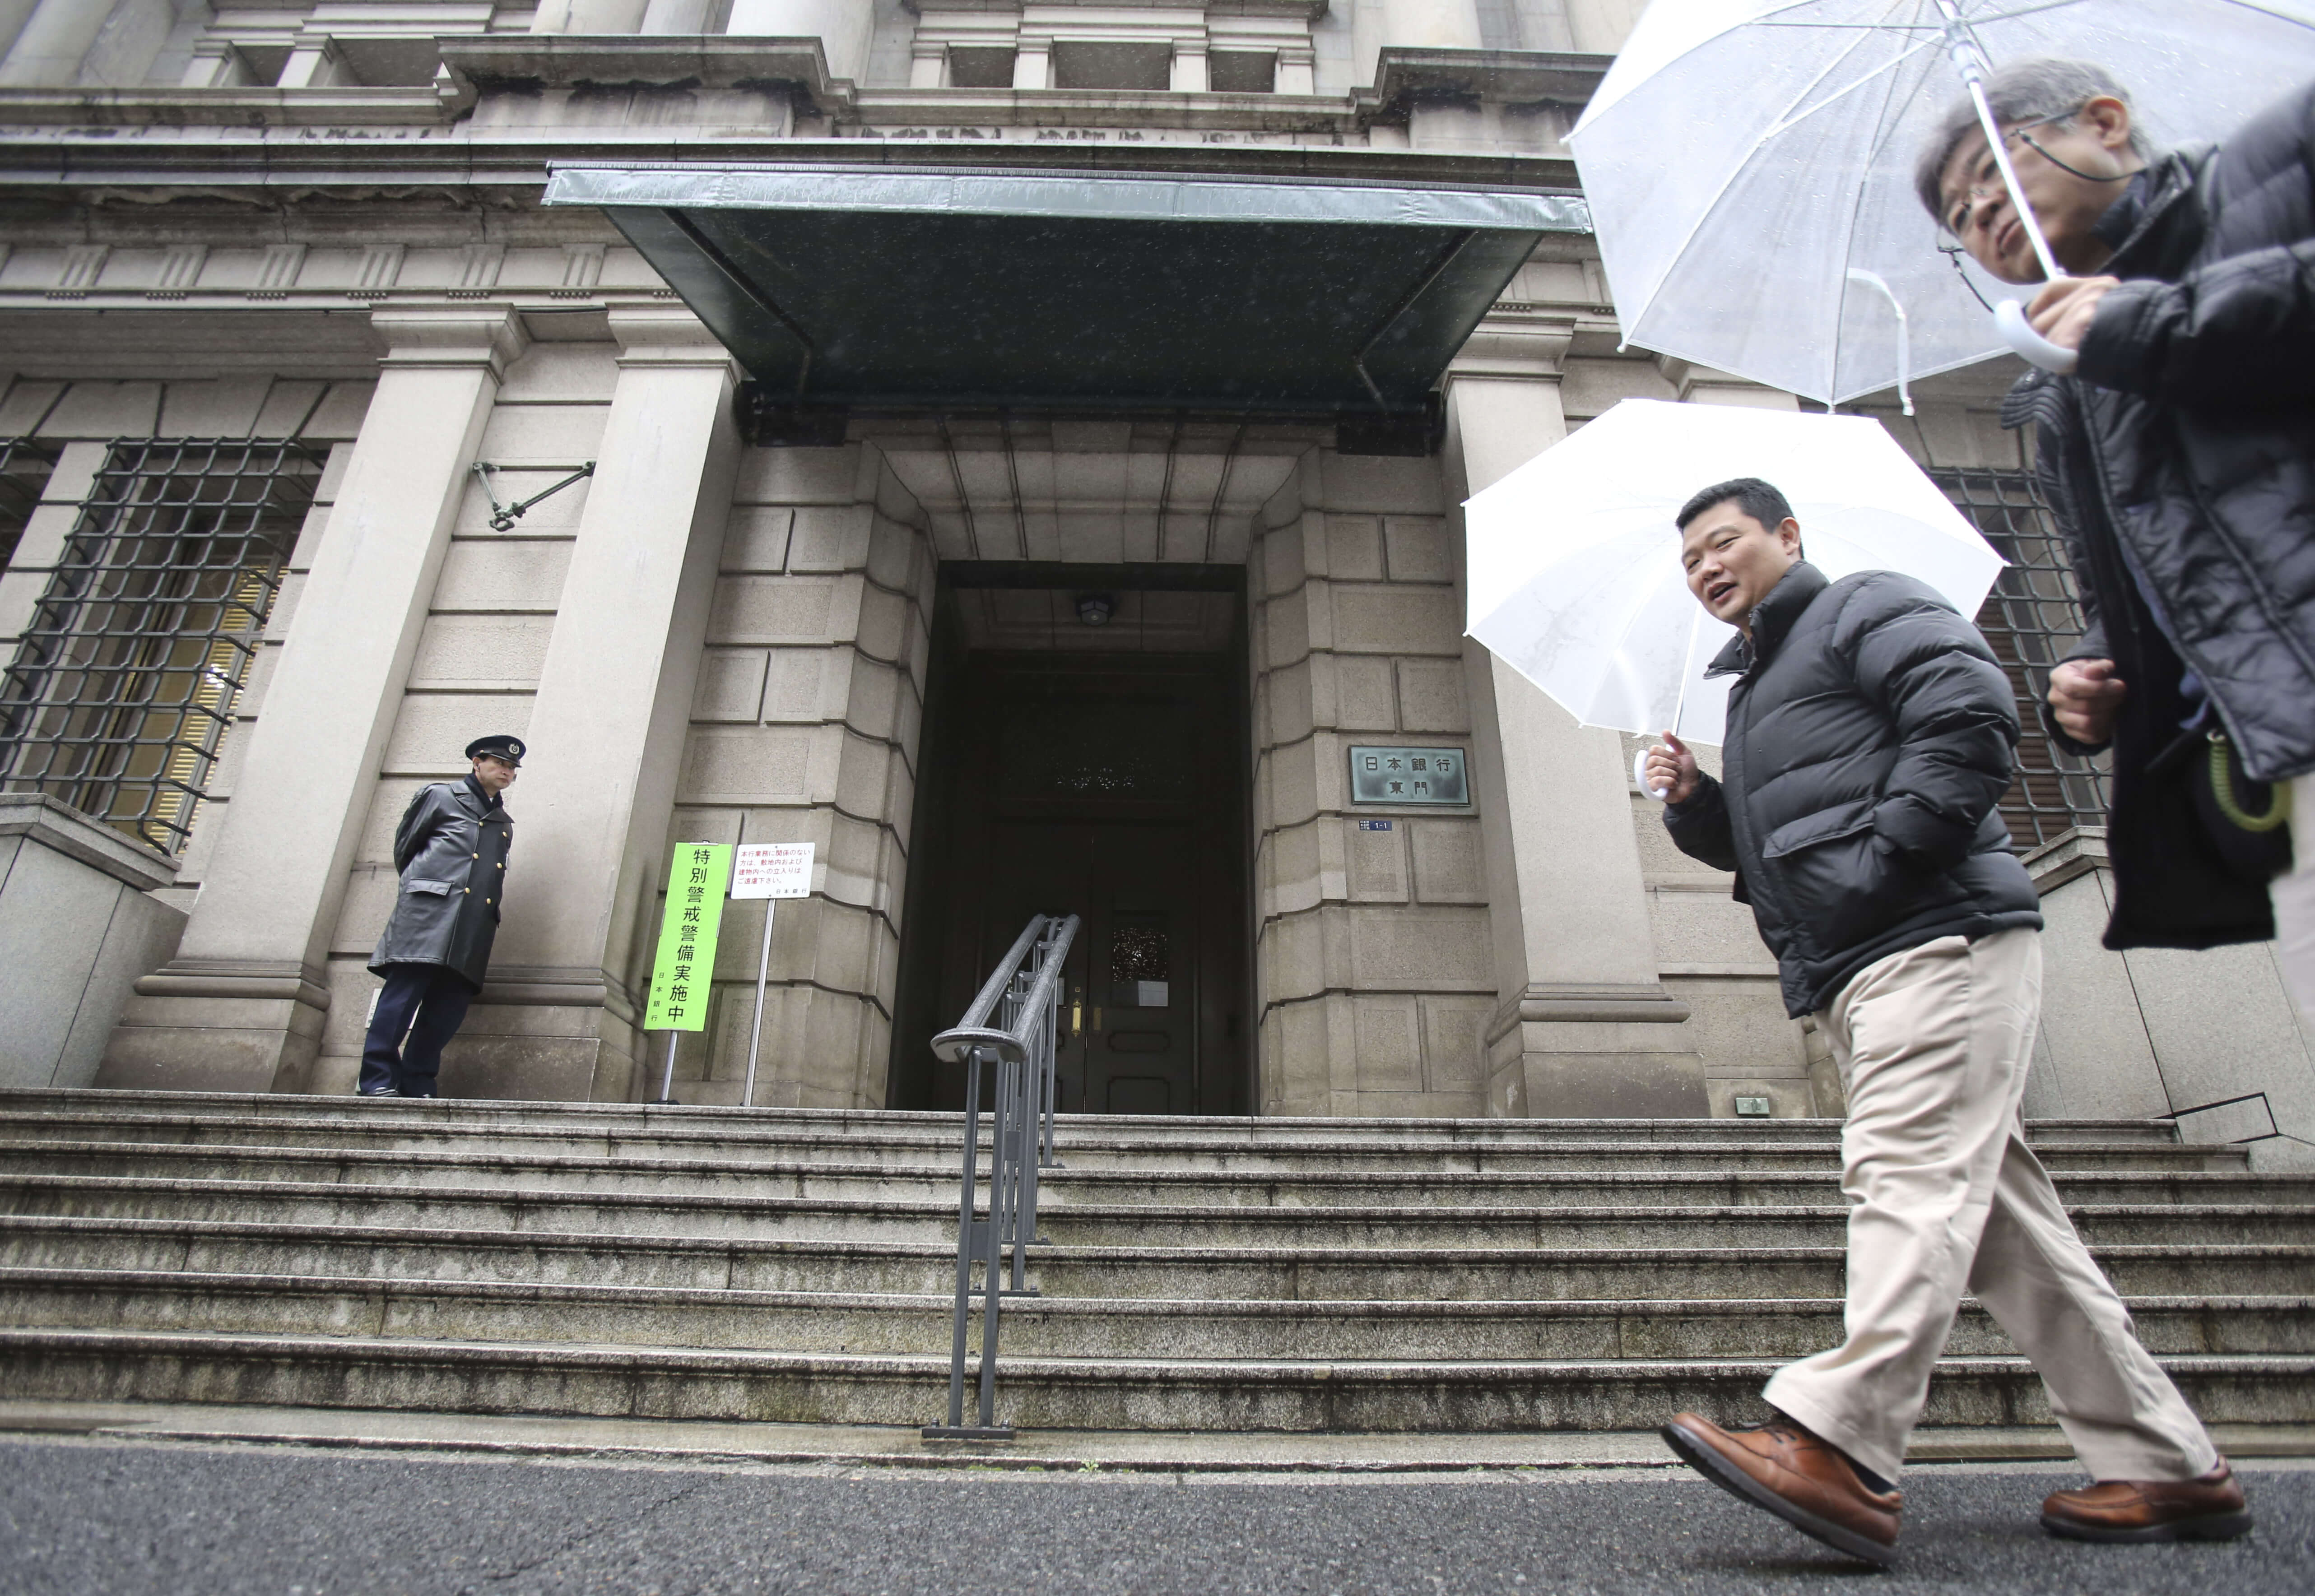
(2179, 460)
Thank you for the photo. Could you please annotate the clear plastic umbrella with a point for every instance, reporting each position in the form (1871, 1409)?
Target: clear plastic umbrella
(1748, 164)
(1575, 575)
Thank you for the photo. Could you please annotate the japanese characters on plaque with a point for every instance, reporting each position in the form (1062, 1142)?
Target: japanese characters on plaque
(683, 973)
(1409, 775)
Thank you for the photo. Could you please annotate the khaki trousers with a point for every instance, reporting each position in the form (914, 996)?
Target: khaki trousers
(1933, 1044)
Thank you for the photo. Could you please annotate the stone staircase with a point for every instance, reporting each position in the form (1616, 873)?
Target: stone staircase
(1292, 1275)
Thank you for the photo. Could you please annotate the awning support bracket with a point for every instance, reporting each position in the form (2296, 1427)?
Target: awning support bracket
(755, 296)
(1405, 303)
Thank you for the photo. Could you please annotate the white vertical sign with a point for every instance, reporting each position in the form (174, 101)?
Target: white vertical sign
(768, 870)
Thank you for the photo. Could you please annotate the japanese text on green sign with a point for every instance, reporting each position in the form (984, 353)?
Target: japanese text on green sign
(682, 973)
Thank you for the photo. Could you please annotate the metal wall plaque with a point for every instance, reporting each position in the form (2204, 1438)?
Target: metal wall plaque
(1409, 775)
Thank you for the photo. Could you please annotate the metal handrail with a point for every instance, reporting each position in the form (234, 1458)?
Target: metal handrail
(1024, 994)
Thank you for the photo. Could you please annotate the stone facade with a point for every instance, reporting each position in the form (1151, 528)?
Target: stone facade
(321, 222)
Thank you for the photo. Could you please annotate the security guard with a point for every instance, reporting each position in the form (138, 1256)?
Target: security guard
(451, 849)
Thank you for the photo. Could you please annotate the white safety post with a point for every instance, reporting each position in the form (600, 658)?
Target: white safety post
(771, 870)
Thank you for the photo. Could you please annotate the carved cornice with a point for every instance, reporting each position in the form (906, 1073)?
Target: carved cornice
(575, 61)
(1516, 341)
(1404, 77)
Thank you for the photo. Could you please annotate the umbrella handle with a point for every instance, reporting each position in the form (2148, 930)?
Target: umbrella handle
(1640, 775)
(2018, 332)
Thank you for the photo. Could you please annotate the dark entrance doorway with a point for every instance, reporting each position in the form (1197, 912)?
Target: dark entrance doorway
(1095, 770)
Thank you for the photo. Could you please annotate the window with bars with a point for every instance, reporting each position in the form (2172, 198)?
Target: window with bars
(2031, 618)
(24, 468)
(124, 685)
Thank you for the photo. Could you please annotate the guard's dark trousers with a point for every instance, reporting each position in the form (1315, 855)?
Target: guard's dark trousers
(426, 1003)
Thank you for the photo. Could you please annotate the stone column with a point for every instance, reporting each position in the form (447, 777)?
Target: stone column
(1033, 62)
(240, 1007)
(587, 16)
(843, 27)
(1189, 66)
(1580, 1026)
(557, 1018)
(928, 63)
(1430, 24)
(54, 41)
(313, 63)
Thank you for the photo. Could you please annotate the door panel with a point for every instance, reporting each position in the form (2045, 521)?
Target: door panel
(1095, 787)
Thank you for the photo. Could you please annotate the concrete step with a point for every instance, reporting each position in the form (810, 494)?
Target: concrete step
(1067, 1187)
(381, 1207)
(648, 1316)
(1131, 1272)
(1081, 1151)
(1299, 1394)
(586, 1119)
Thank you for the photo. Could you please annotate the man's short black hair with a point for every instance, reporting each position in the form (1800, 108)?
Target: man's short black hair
(1755, 497)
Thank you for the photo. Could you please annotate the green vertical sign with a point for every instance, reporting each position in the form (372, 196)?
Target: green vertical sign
(682, 973)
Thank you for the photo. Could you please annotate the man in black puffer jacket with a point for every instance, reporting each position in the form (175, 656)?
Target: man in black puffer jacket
(1870, 735)
(2179, 460)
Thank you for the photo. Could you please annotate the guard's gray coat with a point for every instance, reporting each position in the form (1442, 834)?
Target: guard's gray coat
(451, 849)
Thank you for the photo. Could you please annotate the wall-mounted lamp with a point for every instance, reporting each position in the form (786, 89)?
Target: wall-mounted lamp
(1094, 609)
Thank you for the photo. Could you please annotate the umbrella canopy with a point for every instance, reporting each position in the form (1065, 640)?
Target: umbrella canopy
(1574, 573)
(1749, 164)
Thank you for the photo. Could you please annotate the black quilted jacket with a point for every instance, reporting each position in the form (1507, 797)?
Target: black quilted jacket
(1868, 742)
(2183, 448)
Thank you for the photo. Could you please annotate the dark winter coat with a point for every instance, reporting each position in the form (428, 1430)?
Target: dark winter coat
(1870, 738)
(2183, 448)
(451, 849)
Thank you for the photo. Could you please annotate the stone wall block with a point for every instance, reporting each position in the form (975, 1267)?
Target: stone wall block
(830, 537)
(1378, 861)
(1281, 560)
(1292, 856)
(1296, 1058)
(1388, 1047)
(874, 709)
(1293, 958)
(864, 784)
(749, 765)
(1419, 551)
(755, 540)
(471, 649)
(502, 574)
(432, 730)
(894, 552)
(731, 685)
(1290, 691)
(1431, 697)
(1286, 621)
(1353, 549)
(1704, 926)
(782, 610)
(1398, 620)
(800, 476)
(1293, 784)
(801, 682)
(885, 624)
(565, 435)
(1319, 618)
(563, 373)
(1454, 1047)
(1419, 950)
(1363, 698)
(1450, 860)
(1379, 483)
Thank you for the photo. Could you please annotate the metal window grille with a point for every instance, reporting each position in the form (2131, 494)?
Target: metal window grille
(24, 468)
(2032, 618)
(124, 685)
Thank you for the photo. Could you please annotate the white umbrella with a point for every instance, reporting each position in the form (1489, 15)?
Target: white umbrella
(1574, 571)
(1749, 163)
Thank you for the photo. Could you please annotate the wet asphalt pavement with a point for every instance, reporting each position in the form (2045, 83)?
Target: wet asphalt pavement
(129, 1518)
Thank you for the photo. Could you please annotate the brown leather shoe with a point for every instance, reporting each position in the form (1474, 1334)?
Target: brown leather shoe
(2207, 1509)
(1802, 1480)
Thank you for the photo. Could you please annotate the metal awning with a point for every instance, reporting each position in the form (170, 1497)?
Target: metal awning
(883, 287)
